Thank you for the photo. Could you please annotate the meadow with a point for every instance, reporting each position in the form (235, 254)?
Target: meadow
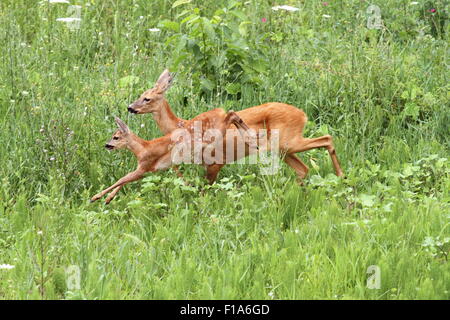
(375, 78)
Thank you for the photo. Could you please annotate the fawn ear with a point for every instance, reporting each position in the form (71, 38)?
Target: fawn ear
(122, 126)
(164, 81)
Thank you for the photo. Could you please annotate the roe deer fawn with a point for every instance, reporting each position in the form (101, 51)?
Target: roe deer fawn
(156, 154)
(288, 119)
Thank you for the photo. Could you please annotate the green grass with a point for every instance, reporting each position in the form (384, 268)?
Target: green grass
(382, 94)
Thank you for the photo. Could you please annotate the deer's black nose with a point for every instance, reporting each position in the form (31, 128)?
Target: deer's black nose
(108, 146)
(130, 109)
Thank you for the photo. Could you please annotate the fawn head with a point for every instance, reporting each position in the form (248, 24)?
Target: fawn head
(152, 99)
(120, 138)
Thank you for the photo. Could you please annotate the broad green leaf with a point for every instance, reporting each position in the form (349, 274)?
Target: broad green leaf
(239, 14)
(412, 110)
(128, 81)
(179, 3)
(243, 28)
(209, 29)
(170, 25)
(367, 200)
(183, 13)
(190, 19)
(207, 84)
(405, 95)
(233, 88)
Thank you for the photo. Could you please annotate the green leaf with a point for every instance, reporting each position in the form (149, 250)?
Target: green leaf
(209, 29)
(179, 3)
(405, 95)
(412, 110)
(135, 204)
(233, 88)
(366, 200)
(243, 28)
(128, 81)
(135, 239)
(170, 25)
(190, 19)
(183, 13)
(207, 84)
(414, 92)
(239, 14)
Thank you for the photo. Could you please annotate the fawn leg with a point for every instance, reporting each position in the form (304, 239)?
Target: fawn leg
(212, 171)
(112, 194)
(295, 163)
(321, 142)
(180, 175)
(244, 130)
(177, 171)
(132, 176)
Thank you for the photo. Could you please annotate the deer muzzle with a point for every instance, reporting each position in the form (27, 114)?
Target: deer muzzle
(131, 109)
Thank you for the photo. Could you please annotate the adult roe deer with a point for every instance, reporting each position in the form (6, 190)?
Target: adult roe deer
(288, 119)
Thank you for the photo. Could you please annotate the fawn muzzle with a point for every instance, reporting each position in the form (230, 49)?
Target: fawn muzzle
(109, 147)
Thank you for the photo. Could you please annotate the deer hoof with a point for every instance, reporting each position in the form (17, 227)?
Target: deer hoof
(95, 198)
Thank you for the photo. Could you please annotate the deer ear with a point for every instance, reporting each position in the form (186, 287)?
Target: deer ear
(164, 81)
(122, 126)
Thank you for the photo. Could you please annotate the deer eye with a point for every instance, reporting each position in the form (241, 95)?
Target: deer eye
(116, 138)
(147, 99)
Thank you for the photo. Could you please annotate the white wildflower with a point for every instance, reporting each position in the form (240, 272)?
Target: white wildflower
(25, 93)
(58, 1)
(142, 125)
(40, 233)
(326, 16)
(68, 19)
(285, 7)
(414, 3)
(154, 30)
(6, 266)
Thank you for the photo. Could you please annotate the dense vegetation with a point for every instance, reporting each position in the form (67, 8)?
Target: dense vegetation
(381, 89)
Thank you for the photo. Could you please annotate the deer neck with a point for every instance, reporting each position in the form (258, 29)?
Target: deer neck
(167, 121)
(136, 145)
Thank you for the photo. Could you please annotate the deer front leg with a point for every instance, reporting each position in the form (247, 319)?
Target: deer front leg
(132, 176)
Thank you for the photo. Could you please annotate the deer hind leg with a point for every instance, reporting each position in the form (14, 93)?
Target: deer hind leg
(212, 171)
(306, 144)
(250, 138)
(299, 167)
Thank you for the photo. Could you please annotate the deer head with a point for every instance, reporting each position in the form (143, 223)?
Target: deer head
(151, 101)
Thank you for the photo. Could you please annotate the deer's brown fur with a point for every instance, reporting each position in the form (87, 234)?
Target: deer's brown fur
(289, 120)
(155, 155)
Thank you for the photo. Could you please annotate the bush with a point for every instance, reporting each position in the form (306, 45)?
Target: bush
(216, 50)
